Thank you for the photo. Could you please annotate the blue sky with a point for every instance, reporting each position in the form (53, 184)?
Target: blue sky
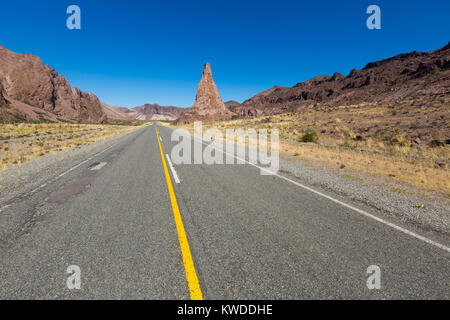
(133, 52)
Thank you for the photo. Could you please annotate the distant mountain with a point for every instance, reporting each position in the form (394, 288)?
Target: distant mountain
(415, 75)
(231, 104)
(31, 91)
(156, 112)
(147, 112)
(208, 103)
(116, 113)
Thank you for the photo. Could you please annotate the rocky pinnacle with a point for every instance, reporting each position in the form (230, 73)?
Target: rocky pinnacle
(208, 103)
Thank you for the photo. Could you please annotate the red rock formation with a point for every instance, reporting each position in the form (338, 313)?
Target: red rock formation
(208, 105)
(415, 75)
(25, 80)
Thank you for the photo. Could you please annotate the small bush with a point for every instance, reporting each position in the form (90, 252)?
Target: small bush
(436, 143)
(309, 136)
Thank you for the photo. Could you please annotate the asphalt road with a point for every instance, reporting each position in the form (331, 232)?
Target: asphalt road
(248, 236)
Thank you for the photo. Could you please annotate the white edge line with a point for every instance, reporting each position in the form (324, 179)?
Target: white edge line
(390, 224)
(174, 173)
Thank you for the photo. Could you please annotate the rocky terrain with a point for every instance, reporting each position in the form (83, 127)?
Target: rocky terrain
(231, 104)
(147, 112)
(33, 91)
(3, 101)
(116, 113)
(155, 112)
(421, 76)
(208, 105)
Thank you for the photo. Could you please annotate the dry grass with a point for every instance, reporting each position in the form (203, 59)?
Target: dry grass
(423, 172)
(364, 139)
(22, 142)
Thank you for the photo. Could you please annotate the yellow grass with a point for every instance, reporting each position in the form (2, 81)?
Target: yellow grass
(22, 142)
(423, 173)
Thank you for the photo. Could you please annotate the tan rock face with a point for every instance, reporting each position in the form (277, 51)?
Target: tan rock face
(208, 105)
(25, 79)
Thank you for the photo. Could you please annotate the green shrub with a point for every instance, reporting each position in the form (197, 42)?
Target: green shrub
(20, 118)
(309, 136)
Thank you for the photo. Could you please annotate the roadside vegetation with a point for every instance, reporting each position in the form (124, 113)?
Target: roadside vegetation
(127, 122)
(406, 141)
(21, 142)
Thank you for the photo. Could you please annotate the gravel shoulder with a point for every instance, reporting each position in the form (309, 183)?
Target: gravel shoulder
(423, 209)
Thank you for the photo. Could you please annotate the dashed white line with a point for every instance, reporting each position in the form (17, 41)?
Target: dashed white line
(174, 173)
(390, 224)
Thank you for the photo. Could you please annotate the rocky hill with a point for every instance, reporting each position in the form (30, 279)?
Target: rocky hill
(231, 104)
(155, 112)
(147, 112)
(116, 113)
(31, 90)
(208, 103)
(415, 75)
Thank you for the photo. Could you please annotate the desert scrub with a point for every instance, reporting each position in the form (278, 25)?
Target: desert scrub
(26, 141)
(309, 136)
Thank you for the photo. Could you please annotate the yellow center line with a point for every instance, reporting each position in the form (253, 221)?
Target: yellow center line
(191, 274)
